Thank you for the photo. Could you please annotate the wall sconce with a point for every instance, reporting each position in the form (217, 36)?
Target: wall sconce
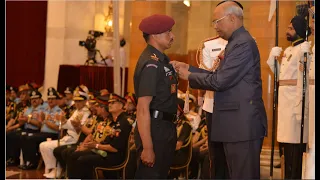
(186, 2)
(108, 20)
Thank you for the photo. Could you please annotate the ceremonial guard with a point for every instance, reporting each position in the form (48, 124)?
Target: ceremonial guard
(209, 54)
(290, 95)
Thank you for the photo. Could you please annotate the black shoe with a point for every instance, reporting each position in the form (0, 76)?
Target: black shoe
(12, 162)
(21, 166)
(29, 166)
(277, 166)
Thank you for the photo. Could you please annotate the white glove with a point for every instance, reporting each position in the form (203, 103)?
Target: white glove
(275, 52)
(305, 47)
(200, 100)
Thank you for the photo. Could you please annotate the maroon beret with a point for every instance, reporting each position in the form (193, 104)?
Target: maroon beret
(156, 24)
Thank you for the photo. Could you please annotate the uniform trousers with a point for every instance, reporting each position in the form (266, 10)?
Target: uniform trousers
(47, 147)
(30, 145)
(13, 142)
(293, 160)
(81, 164)
(61, 153)
(164, 139)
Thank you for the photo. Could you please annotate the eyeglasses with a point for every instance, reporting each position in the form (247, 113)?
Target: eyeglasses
(215, 22)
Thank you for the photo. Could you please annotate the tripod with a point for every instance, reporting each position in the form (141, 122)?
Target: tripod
(102, 59)
(92, 57)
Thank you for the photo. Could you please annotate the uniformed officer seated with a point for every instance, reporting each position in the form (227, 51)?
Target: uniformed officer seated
(73, 125)
(69, 100)
(47, 120)
(130, 107)
(10, 105)
(24, 91)
(183, 134)
(106, 147)
(28, 122)
(14, 94)
(62, 153)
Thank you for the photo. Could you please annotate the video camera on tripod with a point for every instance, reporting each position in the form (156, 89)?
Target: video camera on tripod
(90, 45)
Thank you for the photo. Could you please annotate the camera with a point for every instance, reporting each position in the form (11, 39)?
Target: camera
(90, 42)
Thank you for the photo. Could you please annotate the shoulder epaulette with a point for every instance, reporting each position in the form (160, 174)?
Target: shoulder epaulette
(200, 47)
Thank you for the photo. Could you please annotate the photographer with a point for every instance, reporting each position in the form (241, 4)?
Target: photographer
(110, 56)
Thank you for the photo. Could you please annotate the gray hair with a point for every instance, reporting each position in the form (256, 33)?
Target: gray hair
(235, 10)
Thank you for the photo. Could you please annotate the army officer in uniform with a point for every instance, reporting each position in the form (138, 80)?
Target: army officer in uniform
(155, 85)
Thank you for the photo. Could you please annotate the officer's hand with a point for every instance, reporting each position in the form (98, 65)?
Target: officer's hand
(148, 157)
(275, 52)
(90, 144)
(305, 47)
(179, 65)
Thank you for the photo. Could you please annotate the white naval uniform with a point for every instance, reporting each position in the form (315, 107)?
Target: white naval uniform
(210, 52)
(47, 147)
(309, 169)
(290, 96)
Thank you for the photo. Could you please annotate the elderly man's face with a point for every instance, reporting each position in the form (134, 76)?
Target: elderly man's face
(221, 23)
(165, 39)
(291, 33)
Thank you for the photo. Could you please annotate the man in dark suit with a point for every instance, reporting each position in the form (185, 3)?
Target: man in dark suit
(239, 121)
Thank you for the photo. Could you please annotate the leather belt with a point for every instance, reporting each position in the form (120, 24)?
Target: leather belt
(288, 82)
(163, 115)
(293, 82)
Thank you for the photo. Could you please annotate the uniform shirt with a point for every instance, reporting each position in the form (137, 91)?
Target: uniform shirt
(17, 100)
(131, 116)
(35, 112)
(116, 133)
(155, 77)
(312, 67)
(45, 105)
(72, 135)
(210, 52)
(90, 123)
(50, 115)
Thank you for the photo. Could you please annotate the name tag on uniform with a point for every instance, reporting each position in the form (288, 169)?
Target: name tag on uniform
(173, 88)
(217, 49)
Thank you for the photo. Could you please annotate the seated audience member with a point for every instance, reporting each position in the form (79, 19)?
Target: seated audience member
(106, 147)
(49, 128)
(73, 125)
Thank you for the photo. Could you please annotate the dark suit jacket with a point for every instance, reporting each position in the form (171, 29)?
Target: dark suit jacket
(239, 113)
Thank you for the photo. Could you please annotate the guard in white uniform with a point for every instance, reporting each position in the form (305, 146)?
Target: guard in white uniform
(78, 118)
(210, 53)
(309, 164)
(290, 96)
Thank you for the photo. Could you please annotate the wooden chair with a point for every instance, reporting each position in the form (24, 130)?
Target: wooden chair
(186, 165)
(119, 167)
